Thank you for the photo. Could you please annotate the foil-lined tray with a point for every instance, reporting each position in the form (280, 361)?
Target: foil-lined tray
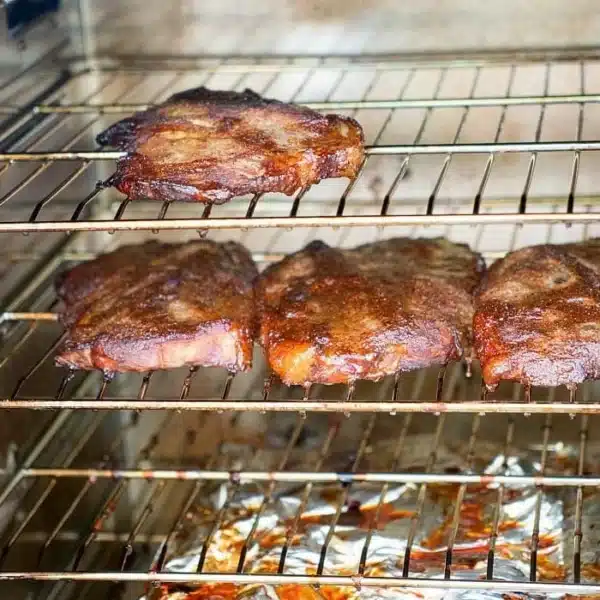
(303, 515)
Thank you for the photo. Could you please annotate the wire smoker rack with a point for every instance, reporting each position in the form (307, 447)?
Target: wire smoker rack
(136, 552)
(32, 335)
(487, 150)
(424, 124)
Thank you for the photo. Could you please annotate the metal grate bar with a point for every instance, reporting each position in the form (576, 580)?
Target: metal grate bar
(409, 79)
(202, 404)
(425, 60)
(21, 341)
(404, 166)
(333, 430)
(110, 504)
(80, 208)
(394, 466)
(368, 220)
(50, 352)
(578, 534)
(446, 164)
(490, 161)
(86, 487)
(230, 489)
(57, 190)
(344, 491)
(268, 495)
(381, 150)
(421, 130)
(535, 536)
(362, 104)
(296, 203)
(73, 454)
(348, 190)
(577, 155)
(310, 580)
(45, 165)
(206, 543)
(533, 158)
(243, 476)
(378, 136)
(460, 496)
(510, 429)
(161, 554)
(416, 518)
(159, 488)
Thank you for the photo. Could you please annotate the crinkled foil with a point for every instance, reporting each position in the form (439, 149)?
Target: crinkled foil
(397, 511)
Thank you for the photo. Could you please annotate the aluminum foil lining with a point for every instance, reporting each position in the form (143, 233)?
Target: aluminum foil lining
(398, 508)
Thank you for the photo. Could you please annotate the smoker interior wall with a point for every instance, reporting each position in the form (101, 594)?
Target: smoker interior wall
(310, 26)
(354, 26)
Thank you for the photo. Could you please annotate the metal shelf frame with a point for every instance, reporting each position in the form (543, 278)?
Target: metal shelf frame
(84, 405)
(385, 210)
(168, 482)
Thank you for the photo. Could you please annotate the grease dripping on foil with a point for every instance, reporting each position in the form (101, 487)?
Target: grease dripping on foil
(388, 543)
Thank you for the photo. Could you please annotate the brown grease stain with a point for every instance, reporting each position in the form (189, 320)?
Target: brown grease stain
(216, 591)
(591, 571)
(305, 592)
(371, 520)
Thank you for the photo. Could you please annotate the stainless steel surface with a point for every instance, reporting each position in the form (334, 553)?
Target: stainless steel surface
(336, 26)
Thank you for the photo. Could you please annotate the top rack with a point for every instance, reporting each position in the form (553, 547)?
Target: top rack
(474, 140)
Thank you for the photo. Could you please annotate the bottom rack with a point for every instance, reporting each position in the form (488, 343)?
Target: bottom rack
(371, 506)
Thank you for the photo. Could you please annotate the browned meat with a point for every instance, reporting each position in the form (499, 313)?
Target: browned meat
(334, 316)
(537, 317)
(159, 306)
(208, 146)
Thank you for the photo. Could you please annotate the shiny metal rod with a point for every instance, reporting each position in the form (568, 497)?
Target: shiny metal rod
(344, 104)
(28, 316)
(483, 148)
(202, 404)
(287, 222)
(333, 580)
(320, 477)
